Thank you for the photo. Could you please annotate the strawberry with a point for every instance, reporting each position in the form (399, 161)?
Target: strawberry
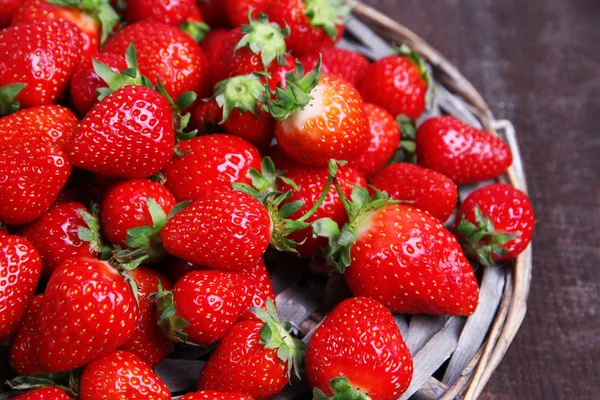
(171, 12)
(238, 11)
(66, 230)
(210, 395)
(254, 358)
(401, 256)
(385, 138)
(358, 351)
(3, 232)
(398, 83)
(54, 47)
(20, 268)
(44, 393)
(210, 163)
(90, 310)
(9, 8)
(350, 65)
(22, 346)
(330, 41)
(206, 117)
(212, 43)
(258, 276)
(460, 151)
(95, 19)
(32, 177)
(423, 188)
(495, 223)
(147, 340)
(214, 13)
(310, 21)
(176, 268)
(121, 375)
(203, 306)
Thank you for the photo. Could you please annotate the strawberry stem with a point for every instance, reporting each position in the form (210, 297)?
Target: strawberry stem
(264, 38)
(327, 14)
(8, 94)
(170, 323)
(61, 380)
(195, 29)
(100, 10)
(332, 170)
(342, 390)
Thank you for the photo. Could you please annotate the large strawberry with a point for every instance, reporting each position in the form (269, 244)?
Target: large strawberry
(20, 268)
(350, 65)
(121, 375)
(66, 230)
(44, 393)
(460, 151)
(421, 187)
(495, 223)
(42, 56)
(237, 11)
(90, 310)
(32, 176)
(211, 395)
(254, 358)
(22, 346)
(359, 352)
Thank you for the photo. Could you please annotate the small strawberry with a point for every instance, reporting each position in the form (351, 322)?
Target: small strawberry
(66, 230)
(90, 310)
(203, 306)
(9, 8)
(254, 358)
(238, 11)
(398, 83)
(350, 65)
(423, 188)
(32, 177)
(214, 13)
(20, 268)
(42, 56)
(22, 346)
(258, 276)
(121, 375)
(495, 223)
(210, 395)
(44, 393)
(385, 138)
(460, 151)
(358, 352)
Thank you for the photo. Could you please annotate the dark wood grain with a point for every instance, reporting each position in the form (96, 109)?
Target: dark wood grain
(537, 63)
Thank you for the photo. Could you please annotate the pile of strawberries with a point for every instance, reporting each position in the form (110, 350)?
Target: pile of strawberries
(152, 151)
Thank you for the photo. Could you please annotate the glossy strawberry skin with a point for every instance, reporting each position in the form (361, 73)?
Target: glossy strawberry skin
(396, 84)
(227, 230)
(55, 236)
(304, 37)
(350, 65)
(424, 188)
(147, 340)
(212, 43)
(509, 209)
(460, 151)
(211, 395)
(385, 138)
(32, 177)
(46, 393)
(125, 206)
(405, 259)
(333, 126)
(258, 276)
(90, 311)
(86, 82)
(56, 43)
(237, 10)
(210, 163)
(173, 12)
(129, 134)
(22, 346)
(241, 364)
(121, 375)
(52, 124)
(20, 268)
(360, 340)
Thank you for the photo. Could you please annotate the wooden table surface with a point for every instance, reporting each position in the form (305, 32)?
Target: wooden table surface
(537, 63)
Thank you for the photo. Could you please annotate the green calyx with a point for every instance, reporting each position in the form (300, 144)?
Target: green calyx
(327, 14)
(296, 95)
(171, 325)
(90, 233)
(264, 38)
(276, 335)
(406, 51)
(8, 94)
(67, 381)
(480, 239)
(243, 93)
(342, 390)
(196, 30)
(100, 10)
(408, 129)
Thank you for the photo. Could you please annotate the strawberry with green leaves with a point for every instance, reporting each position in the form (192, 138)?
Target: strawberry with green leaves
(358, 353)
(211, 395)
(44, 393)
(495, 223)
(22, 345)
(255, 357)
(238, 11)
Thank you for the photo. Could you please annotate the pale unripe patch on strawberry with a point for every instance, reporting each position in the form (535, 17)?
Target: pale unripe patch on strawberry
(315, 109)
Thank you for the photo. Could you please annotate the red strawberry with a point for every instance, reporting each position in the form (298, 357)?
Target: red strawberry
(9, 8)
(397, 83)
(350, 65)
(359, 349)
(385, 138)
(206, 117)
(32, 176)
(96, 20)
(254, 358)
(460, 151)
(22, 346)
(237, 10)
(20, 268)
(42, 56)
(147, 340)
(258, 276)
(52, 124)
(45, 393)
(332, 41)
(170, 12)
(310, 22)
(214, 13)
(210, 395)
(212, 43)
(90, 310)
(128, 134)
(206, 304)
(66, 230)
(121, 375)
(495, 223)
(425, 189)
(210, 163)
